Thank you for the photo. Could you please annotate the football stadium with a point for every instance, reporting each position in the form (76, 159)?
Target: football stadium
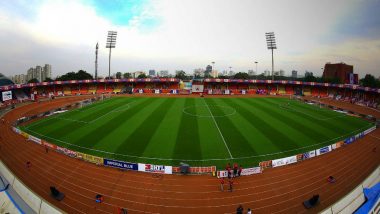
(149, 149)
(190, 106)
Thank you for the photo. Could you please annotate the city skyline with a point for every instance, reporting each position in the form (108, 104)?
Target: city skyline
(185, 35)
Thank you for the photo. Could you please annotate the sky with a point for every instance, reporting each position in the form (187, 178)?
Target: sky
(189, 34)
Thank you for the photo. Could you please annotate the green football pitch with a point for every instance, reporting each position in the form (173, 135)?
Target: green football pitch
(197, 131)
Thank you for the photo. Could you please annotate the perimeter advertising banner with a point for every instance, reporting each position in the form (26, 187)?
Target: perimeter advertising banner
(67, 152)
(251, 171)
(155, 168)
(369, 130)
(120, 164)
(324, 150)
(197, 88)
(7, 95)
(90, 158)
(309, 154)
(34, 139)
(222, 174)
(16, 130)
(247, 171)
(284, 161)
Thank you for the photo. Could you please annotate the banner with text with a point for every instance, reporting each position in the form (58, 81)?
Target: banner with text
(155, 168)
(34, 139)
(90, 158)
(309, 154)
(284, 161)
(121, 164)
(323, 150)
(251, 171)
(67, 152)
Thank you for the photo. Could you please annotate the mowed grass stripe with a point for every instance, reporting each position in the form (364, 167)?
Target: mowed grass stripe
(88, 108)
(127, 121)
(269, 126)
(338, 122)
(245, 124)
(311, 135)
(60, 131)
(318, 129)
(82, 132)
(212, 147)
(187, 143)
(236, 142)
(93, 114)
(105, 126)
(136, 142)
(166, 133)
(56, 125)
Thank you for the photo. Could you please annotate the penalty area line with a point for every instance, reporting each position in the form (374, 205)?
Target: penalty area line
(216, 124)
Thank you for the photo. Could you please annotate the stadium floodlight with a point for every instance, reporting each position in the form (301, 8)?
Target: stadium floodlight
(256, 69)
(271, 43)
(111, 43)
(96, 61)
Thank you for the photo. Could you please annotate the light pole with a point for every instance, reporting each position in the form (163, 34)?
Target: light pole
(271, 43)
(111, 42)
(256, 69)
(212, 69)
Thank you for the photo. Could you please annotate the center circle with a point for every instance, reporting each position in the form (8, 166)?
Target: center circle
(209, 111)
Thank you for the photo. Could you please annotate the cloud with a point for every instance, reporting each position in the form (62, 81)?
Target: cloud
(184, 34)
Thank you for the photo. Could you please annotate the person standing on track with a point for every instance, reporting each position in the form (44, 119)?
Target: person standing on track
(239, 171)
(235, 169)
(222, 184)
(231, 182)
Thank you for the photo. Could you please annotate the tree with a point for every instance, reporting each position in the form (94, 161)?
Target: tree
(83, 75)
(48, 80)
(180, 75)
(118, 75)
(241, 75)
(369, 81)
(127, 75)
(142, 76)
(310, 78)
(80, 75)
(34, 80)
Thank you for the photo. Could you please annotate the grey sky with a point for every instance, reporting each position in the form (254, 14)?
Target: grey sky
(188, 34)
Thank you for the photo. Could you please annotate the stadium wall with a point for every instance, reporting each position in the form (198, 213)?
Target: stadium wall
(34, 201)
(353, 200)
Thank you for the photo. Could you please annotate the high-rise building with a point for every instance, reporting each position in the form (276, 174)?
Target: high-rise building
(46, 72)
(152, 73)
(294, 74)
(282, 73)
(266, 73)
(307, 73)
(38, 73)
(164, 73)
(29, 74)
(19, 78)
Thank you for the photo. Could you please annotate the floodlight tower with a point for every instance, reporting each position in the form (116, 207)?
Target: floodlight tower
(111, 42)
(96, 60)
(271, 43)
(256, 69)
